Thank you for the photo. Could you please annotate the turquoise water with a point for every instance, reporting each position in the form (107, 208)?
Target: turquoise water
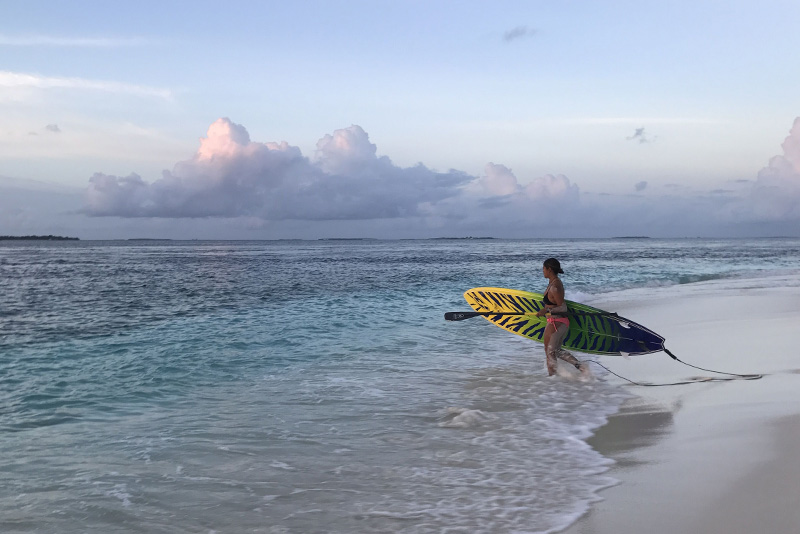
(307, 386)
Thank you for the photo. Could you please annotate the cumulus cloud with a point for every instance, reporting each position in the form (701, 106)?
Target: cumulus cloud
(53, 128)
(232, 176)
(347, 152)
(345, 186)
(346, 181)
(498, 203)
(498, 180)
(776, 191)
(556, 190)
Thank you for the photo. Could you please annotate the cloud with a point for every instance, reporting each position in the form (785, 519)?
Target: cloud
(271, 189)
(16, 80)
(497, 200)
(553, 189)
(498, 180)
(53, 128)
(517, 33)
(640, 136)
(232, 176)
(776, 192)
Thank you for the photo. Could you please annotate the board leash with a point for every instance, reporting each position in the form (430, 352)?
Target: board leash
(460, 316)
(734, 376)
(738, 376)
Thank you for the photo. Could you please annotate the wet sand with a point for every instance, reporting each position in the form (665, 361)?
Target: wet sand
(717, 457)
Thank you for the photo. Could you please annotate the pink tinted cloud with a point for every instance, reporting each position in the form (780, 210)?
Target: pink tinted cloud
(232, 176)
(776, 192)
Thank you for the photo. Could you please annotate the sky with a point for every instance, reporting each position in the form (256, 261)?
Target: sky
(399, 119)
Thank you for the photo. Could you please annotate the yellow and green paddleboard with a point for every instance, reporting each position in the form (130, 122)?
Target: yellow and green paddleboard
(591, 330)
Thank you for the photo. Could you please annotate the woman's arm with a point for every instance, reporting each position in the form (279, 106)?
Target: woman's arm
(557, 296)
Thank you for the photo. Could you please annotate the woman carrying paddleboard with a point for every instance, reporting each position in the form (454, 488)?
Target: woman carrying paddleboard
(557, 321)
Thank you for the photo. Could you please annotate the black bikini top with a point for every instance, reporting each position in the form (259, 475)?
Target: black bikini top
(546, 300)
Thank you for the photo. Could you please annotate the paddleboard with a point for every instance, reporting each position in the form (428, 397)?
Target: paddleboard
(591, 330)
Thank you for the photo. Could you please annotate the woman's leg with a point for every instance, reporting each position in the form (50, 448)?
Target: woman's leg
(551, 356)
(556, 339)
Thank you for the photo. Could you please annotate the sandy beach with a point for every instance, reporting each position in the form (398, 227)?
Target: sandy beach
(716, 457)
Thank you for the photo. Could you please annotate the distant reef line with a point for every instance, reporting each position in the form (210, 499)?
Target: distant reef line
(37, 238)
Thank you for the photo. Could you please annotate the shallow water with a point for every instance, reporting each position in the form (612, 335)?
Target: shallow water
(306, 386)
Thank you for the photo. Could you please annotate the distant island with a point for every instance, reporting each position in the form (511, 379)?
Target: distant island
(36, 238)
(347, 239)
(454, 238)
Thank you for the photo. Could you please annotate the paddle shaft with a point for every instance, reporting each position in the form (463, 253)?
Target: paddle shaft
(460, 316)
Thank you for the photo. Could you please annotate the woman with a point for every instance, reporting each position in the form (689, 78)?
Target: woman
(557, 320)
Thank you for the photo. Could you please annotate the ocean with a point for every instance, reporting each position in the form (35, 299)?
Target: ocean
(309, 386)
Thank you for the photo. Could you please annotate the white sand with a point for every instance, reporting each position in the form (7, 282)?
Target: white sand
(714, 457)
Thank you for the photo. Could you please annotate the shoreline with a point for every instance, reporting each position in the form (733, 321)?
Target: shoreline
(715, 457)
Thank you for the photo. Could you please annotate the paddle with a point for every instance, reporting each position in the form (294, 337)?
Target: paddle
(460, 316)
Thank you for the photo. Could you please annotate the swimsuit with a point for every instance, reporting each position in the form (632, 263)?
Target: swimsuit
(560, 324)
(553, 320)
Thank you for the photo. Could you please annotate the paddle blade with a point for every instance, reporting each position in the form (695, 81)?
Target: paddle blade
(460, 316)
